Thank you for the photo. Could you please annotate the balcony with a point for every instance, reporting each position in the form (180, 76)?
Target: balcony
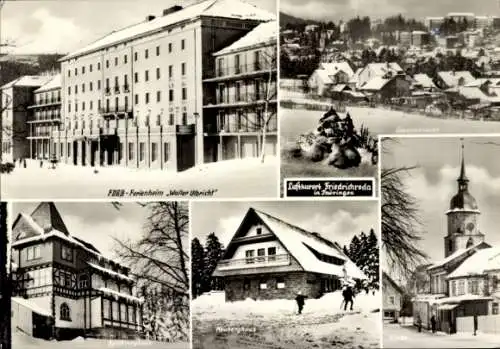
(238, 100)
(185, 129)
(107, 91)
(117, 89)
(45, 102)
(255, 262)
(242, 70)
(118, 113)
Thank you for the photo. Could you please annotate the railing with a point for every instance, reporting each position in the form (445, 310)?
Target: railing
(256, 67)
(235, 98)
(259, 261)
(239, 128)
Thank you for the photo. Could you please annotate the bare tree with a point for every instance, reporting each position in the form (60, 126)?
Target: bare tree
(401, 224)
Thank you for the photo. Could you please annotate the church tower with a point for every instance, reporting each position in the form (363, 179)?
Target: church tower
(463, 215)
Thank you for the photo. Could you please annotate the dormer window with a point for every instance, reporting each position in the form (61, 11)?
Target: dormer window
(67, 253)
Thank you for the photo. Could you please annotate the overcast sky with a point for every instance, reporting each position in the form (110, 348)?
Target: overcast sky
(336, 220)
(335, 10)
(434, 183)
(61, 26)
(96, 222)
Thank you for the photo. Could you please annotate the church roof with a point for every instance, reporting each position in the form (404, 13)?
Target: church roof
(463, 200)
(457, 254)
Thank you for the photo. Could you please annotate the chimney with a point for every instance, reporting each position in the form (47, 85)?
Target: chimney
(171, 10)
(150, 18)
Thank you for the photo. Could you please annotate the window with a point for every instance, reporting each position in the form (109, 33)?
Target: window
(158, 73)
(135, 56)
(237, 64)
(131, 313)
(83, 88)
(90, 68)
(107, 63)
(474, 287)
(83, 281)
(66, 253)
(171, 119)
(125, 59)
(261, 253)
(136, 98)
(171, 95)
(259, 230)
(146, 75)
(494, 308)
(158, 96)
(271, 252)
(391, 300)
(146, 53)
(142, 148)
(147, 98)
(249, 254)
(83, 70)
(154, 151)
(69, 90)
(106, 306)
(64, 313)
(136, 77)
(98, 84)
(183, 69)
(169, 47)
(98, 65)
(76, 71)
(116, 61)
(183, 44)
(263, 284)
(157, 50)
(450, 245)
(166, 150)
(90, 86)
(69, 73)
(184, 93)
(76, 89)
(184, 118)
(131, 151)
(32, 252)
(280, 282)
(83, 106)
(170, 71)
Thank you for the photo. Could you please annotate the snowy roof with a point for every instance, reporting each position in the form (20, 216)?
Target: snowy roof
(428, 297)
(323, 76)
(477, 264)
(461, 298)
(28, 81)
(298, 242)
(375, 84)
(460, 14)
(236, 9)
(424, 80)
(264, 33)
(381, 69)
(117, 294)
(109, 272)
(452, 78)
(454, 255)
(335, 67)
(477, 93)
(32, 305)
(54, 83)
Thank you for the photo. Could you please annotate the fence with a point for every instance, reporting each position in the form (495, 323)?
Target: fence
(485, 324)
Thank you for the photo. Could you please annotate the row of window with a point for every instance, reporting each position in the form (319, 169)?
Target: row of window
(147, 100)
(113, 310)
(33, 252)
(238, 66)
(261, 255)
(125, 87)
(125, 58)
(48, 97)
(265, 284)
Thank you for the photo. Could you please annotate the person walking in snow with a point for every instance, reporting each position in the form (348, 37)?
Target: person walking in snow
(301, 300)
(419, 323)
(348, 297)
(433, 324)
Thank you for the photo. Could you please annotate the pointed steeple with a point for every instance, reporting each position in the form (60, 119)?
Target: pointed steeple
(462, 179)
(47, 217)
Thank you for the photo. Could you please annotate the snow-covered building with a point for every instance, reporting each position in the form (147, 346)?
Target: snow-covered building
(423, 82)
(453, 79)
(328, 75)
(268, 258)
(64, 285)
(234, 110)
(377, 70)
(17, 96)
(393, 298)
(465, 283)
(135, 97)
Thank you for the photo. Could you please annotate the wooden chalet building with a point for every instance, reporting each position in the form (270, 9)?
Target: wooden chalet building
(268, 258)
(64, 287)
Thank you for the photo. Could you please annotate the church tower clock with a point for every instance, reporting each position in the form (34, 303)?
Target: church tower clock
(463, 216)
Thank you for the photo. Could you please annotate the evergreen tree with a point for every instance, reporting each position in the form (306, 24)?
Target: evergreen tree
(354, 249)
(373, 262)
(346, 251)
(197, 267)
(213, 254)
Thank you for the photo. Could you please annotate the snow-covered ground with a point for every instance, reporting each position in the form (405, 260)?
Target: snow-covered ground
(232, 178)
(23, 341)
(275, 323)
(397, 336)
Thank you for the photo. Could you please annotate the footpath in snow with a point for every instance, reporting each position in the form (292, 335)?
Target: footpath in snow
(397, 336)
(231, 178)
(275, 323)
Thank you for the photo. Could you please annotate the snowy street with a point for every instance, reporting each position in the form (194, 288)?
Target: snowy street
(396, 336)
(231, 178)
(275, 323)
(21, 340)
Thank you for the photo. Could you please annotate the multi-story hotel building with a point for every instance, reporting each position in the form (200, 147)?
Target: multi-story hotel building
(64, 287)
(240, 98)
(16, 97)
(134, 97)
(45, 120)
